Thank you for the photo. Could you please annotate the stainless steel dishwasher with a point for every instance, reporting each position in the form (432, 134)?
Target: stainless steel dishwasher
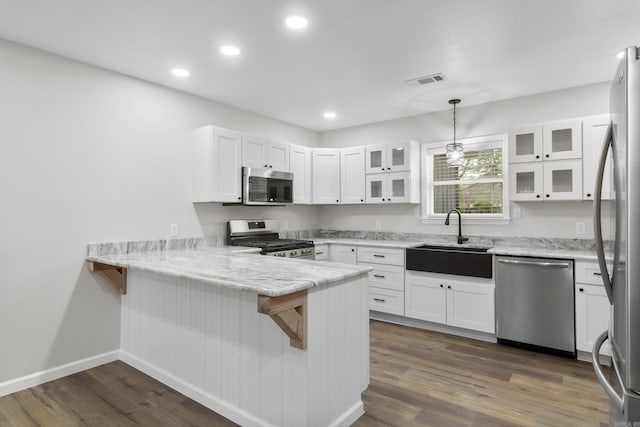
(535, 304)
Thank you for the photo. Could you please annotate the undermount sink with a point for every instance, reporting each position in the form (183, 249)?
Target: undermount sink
(458, 260)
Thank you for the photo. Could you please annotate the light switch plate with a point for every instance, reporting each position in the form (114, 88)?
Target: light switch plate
(580, 228)
(516, 212)
(378, 225)
(174, 230)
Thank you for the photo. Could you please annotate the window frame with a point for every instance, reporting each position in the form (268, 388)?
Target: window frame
(428, 150)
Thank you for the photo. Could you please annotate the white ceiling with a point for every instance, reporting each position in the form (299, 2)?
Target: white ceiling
(354, 56)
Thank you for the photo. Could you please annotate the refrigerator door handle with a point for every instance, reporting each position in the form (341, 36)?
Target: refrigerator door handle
(595, 360)
(597, 214)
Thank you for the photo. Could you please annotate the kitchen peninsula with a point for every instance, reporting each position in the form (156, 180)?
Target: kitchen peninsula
(260, 340)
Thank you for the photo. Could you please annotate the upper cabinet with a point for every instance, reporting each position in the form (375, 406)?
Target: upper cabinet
(388, 158)
(326, 175)
(300, 167)
(594, 130)
(352, 186)
(216, 161)
(549, 141)
(260, 153)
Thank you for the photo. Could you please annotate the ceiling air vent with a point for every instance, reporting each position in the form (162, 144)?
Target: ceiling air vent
(431, 78)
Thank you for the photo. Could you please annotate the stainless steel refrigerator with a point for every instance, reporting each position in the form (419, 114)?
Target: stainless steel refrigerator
(622, 281)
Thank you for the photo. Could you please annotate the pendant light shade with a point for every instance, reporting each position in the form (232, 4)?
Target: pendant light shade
(455, 150)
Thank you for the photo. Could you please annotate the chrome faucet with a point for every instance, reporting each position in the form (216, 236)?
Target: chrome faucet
(461, 239)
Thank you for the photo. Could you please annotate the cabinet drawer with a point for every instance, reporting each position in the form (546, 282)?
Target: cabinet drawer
(322, 252)
(386, 276)
(386, 301)
(381, 255)
(588, 272)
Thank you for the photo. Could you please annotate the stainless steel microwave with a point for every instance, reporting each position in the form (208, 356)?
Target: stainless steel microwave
(266, 187)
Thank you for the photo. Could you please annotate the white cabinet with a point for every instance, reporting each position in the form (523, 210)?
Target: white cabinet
(300, 167)
(389, 157)
(549, 141)
(322, 252)
(326, 175)
(592, 307)
(394, 187)
(259, 153)
(386, 279)
(461, 302)
(345, 254)
(352, 186)
(555, 180)
(593, 132)
(216, 165)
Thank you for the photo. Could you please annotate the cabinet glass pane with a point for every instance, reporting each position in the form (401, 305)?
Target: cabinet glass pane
(376, 189)
(562, 181)
(375, 159)
(397, 188)
(525, 182)
(561, 140)
(524, 144)
(397, 156)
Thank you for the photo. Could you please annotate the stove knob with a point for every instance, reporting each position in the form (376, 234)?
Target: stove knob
(293, 253)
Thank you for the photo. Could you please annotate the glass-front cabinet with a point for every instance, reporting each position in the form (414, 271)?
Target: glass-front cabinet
(549, 141)
(389, 188)
(525, 144)
(557, 180)
(526, 181)
(388, 158)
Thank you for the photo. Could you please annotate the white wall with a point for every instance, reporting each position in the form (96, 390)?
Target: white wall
(87, 155)
(538, 219)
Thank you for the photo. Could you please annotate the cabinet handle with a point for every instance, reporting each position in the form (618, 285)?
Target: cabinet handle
(448, 286)
(266, 166)
(597, 274)
(378, 299)
(547, 195)
(383, 200)
(382, 168)
(388, 169)
(378, 256)
(337, 201)
(388, 200)
(319, 252)
(537, 196)
(379, 276)
(353, 250)
(537, 157)
(546, 155)
(239, 198)
(441, 285)
(588, 194)
(581, 290)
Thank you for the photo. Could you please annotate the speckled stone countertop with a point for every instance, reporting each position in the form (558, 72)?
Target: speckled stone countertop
(366, 242)
(235, 267)
(580, 255)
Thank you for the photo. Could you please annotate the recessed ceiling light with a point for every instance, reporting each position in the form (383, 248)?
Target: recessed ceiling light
(329, 115)
(230, 50)
(620, 54)
(180, 72)
(296, 22)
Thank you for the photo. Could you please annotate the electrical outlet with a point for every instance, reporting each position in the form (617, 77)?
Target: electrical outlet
(378, 225)
(516, 212)
(285, 225)
(174, 230)
(580, 228)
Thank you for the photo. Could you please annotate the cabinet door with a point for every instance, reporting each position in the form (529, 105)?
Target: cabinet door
(562, 140)
(300, 167)
(592, 316)
(352, 185)
(376, 188)
(425, 298)
(376, 158)
(322, 252)
(525, 181)
(525, 144)
(471, 306)
(398, 187)
(326, 176)
(563, 180)
(216, 166)
(343, 253)
(278, 156)
(593, 133)
(254, 152)
(398, 156)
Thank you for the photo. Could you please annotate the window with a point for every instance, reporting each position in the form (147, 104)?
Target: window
(476, 189)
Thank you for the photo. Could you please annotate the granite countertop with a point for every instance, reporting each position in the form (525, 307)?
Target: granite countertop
(576, 254)
(398, 244)
(237, 268)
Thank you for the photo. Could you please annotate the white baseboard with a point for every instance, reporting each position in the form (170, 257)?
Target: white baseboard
(350, 416)
(51, 374)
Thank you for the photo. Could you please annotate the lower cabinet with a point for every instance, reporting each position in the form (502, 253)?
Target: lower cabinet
(345, 254)
(386, 279)
(463, 302)
(592, 307)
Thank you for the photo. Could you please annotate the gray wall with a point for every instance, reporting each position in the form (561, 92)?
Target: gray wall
(546, 219)
(88, 155)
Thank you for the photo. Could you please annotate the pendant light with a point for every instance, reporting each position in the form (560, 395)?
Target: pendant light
(455, 150)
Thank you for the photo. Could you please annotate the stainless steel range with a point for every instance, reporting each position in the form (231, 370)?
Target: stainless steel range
(263, 234)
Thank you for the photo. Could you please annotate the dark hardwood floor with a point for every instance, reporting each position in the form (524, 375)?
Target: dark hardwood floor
(418, 378)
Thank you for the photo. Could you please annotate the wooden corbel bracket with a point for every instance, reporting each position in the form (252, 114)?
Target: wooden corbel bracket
(290, 314)
(117, 276)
